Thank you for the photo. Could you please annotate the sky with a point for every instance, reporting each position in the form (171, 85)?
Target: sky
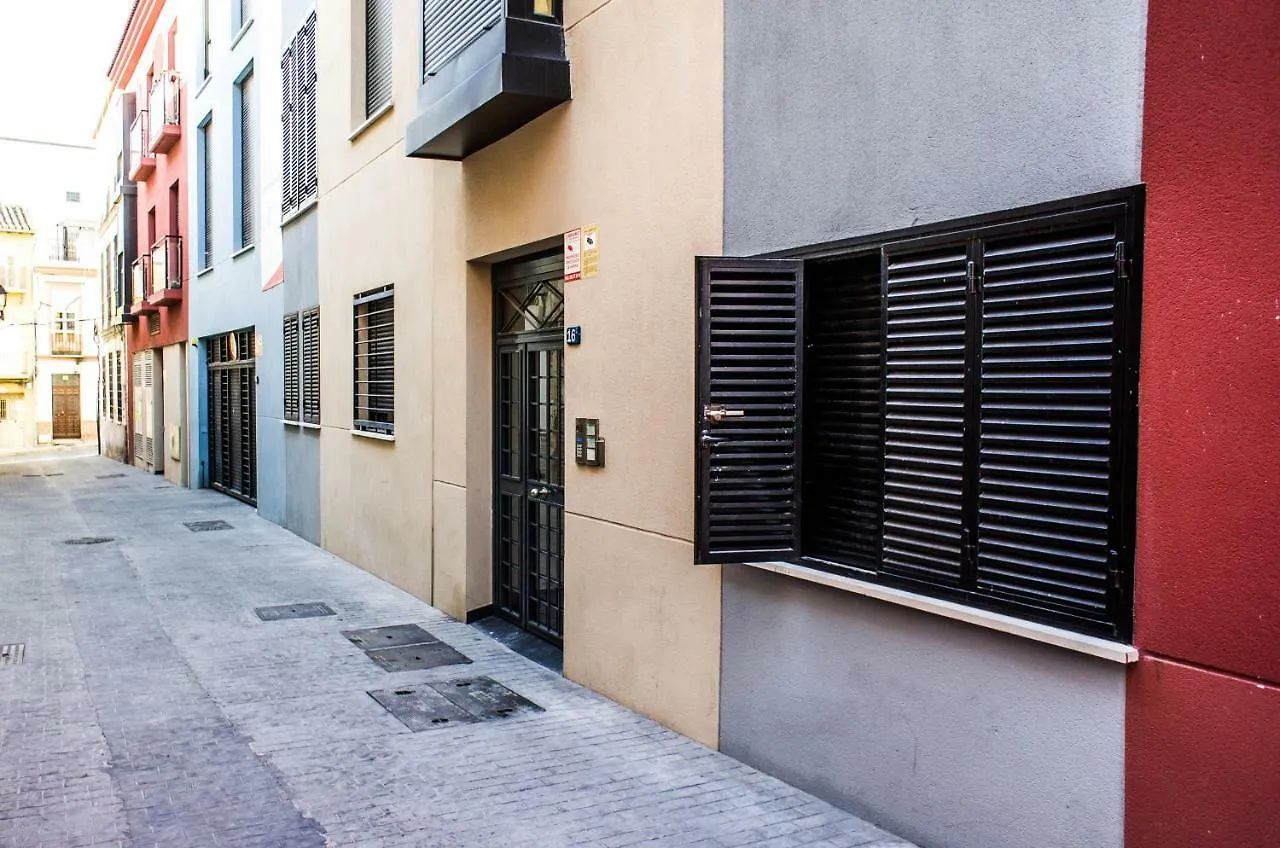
(54, 56)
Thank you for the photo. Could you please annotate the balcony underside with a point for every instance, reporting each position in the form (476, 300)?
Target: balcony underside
(166, 138)
(145, 307)
(165, 297)
(143, 168)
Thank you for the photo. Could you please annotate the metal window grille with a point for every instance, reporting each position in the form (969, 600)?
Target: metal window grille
(248, 164)
(377, 55)
(206, 195)
(291, 363)
(311, 366)
(448, 26)
(374, 379)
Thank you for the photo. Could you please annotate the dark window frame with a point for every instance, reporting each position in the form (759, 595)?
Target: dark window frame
(1125, 206)
(366, 306)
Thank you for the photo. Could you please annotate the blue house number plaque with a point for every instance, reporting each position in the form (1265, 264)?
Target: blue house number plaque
(573, 335)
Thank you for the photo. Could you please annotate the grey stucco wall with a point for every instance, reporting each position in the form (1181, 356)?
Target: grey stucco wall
(300, 459)
(848, 117)
(944, 733)
(851, 117)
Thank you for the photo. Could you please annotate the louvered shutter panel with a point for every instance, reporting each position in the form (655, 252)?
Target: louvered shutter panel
(311, 366)
(750, 354)
(307, 74)
(291, 360)
(206, 211)
(448, 26)
(377, 54)
(926, 286)
(1051, 400)
(248, 162)
(289, 119)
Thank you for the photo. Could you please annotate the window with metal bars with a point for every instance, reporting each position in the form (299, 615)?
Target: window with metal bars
(298, 77)
(205, 188)
(246, 161)
(950, 410)
(377, 55)
(374, 378)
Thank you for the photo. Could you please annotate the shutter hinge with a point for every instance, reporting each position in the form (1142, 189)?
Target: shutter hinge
(971, 275)
(1122, 265)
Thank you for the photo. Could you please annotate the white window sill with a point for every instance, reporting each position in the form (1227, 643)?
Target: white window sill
(301, 425)
(307, 206)
(204, 83)
(378, 437)
(242, 251)
(371, 120)
(1092, 645)
(200, 272)
(239, 35)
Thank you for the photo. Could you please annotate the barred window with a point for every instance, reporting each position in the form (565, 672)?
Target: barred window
(374, 378)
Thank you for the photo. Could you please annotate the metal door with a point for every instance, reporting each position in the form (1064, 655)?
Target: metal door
(529, 443)
(232, 411)
(66, 406)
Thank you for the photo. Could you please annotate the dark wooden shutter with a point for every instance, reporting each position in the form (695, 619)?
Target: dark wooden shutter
(1051, 405)
(289, 119)
(377, 55)
(311, 366)
(925, 309)
(750, 356)
(291, 361)
(308, 185)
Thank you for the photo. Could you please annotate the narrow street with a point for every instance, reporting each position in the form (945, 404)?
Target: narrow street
(148, 704)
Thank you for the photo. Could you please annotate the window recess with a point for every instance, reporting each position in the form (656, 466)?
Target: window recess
(949, 411)
(374, 378)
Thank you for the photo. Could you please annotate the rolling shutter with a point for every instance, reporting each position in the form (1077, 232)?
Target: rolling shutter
(291, 362)
(926, 286)
(448, 26)
(750, 352)
(1051, 394)
(377, 55)
(248, 165)
(311, 366)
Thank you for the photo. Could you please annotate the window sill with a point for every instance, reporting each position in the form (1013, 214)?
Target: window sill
(371, 120)
(239, 35)
(301, 425)
(242, 251)
(307, 206)
(204, 83)
(378, 437)
(1092, 645)
(200, 272)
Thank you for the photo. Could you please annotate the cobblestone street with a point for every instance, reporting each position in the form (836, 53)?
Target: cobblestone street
(151, 706)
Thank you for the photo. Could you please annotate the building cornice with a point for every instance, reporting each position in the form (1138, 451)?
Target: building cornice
(137, 33)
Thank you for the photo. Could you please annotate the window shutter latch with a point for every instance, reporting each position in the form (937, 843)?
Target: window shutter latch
(970, 549)
(1113, 569)
(1122, 269)
(715, 413)
(971, 276)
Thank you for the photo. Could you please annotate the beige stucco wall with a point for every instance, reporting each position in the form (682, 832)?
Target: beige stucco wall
(376, 501)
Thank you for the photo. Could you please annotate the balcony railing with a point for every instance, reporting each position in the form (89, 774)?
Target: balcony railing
(141, 161)
(141, 282)
(165, 105)
(166, 265)
(65, 343)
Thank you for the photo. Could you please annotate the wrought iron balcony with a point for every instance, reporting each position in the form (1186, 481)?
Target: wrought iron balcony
(142, 162)
(166, 272)
(65, 343)
(165, 106)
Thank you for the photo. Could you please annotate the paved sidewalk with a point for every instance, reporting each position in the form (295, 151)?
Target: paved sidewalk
(153, 708)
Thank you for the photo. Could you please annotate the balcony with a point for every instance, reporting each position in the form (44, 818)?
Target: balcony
(66, 343)
(487, 72)
(166, 112)
(142, 286)
(142, 162)
(166, 272)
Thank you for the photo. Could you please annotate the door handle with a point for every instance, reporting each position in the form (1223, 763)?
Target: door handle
(539, 492)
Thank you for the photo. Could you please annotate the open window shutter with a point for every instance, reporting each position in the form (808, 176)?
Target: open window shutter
(289, 125)
(311, 366)
(1051, 403)
(925, 301)
(306, 71)
(292, 383)
(750, 357)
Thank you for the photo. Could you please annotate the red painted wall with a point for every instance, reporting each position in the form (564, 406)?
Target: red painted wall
(1202, 752)
(154, 193)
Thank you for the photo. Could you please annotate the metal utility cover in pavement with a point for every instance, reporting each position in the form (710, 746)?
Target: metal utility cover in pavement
(206, 526)
(416, 657)
(431, 706)
(373, 638)
(12, 654)
(90, 540)
(287, 611)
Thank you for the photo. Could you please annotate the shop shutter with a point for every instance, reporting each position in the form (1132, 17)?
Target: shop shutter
(311, 366)
(1051, 402)
(926, 287)
(291, 361)
(377, 55)
(750, 353)
(448, 26)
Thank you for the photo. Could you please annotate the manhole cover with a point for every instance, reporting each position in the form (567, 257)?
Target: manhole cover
(109, 476)
(281, 613)
(430, 706)
(416, 657)
(90, 540)
(12, 654)
(206, 526)
(394, 636)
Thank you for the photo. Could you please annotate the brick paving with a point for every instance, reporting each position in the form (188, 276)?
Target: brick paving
(153, 708)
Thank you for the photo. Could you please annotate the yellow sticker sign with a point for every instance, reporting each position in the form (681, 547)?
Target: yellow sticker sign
(590, 251)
